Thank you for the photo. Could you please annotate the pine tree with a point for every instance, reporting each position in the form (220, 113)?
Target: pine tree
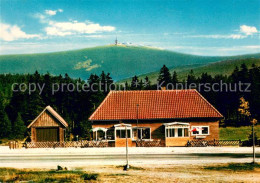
(93, 79)
(34, 104)
(164, 76)
(235, 75)
(140, 85)
(191, 78)
(103, 81)
(19, 128)
(109, 81)
(134, 83)
(5, 123)
(147, 83)
(174, 78)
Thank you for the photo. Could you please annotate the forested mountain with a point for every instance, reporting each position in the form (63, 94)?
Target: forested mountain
(121, 61)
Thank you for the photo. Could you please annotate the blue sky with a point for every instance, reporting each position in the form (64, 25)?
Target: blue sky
(202, 27)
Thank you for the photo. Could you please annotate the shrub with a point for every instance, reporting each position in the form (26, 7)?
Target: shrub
(91, 176)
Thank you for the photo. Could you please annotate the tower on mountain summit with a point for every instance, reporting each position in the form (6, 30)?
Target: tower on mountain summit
(116, 42)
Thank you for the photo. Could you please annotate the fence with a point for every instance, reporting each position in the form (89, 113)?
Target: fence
(205, 143)
(80, 144)
(149, 143)
(14, 145)
(248, 143)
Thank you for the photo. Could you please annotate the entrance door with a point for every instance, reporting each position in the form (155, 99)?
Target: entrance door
(47, 134)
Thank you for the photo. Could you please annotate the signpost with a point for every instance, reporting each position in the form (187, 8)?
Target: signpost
(126, 167)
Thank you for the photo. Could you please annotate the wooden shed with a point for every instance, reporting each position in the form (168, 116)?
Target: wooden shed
(49, 126)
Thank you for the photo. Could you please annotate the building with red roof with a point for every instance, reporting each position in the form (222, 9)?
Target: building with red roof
(172, 116)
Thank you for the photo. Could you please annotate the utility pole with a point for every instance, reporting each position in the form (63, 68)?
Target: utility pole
(253, 142)
(253, 121)
(127, 165)
(137, 105)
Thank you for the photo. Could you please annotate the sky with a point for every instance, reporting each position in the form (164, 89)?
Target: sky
(201, 27)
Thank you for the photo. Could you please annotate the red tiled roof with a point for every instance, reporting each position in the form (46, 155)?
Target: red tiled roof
(154, 104)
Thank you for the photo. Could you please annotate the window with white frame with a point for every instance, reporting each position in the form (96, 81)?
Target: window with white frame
(200, 130)
(177, 132)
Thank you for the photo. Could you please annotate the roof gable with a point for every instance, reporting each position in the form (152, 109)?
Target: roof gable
(154, 104)
(53, 113)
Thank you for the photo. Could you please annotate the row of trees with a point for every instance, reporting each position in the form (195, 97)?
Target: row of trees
(19, 108)
(223, 91)
(23, 106)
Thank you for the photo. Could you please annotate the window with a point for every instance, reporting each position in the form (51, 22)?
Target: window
(121, 133)
(110, 134)
(200, 130)
(205, 130)
(180, 130)
(186, 132)
(141, 133)
(146, 133)
(134, 133)
(100, 135)
(177, 132)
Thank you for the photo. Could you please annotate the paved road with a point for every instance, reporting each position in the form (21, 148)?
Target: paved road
(51, 161)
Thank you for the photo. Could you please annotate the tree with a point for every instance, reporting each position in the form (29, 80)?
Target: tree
(134, 83)
(191, 78)
(103, 81)
(5, 123)
(93, 79)
(244, 110)
(19, 128)
(147, 83)
(109, 82)
(141, 85)
(174, 77)
(126, 86)
(164, 76)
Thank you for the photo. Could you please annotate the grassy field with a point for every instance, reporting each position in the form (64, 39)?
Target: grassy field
(121, 61)
(236, 172)
(236, 133)
(28, 175)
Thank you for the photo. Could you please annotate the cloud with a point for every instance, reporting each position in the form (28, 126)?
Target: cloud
(71, 27)
(245, 31)
(53, 12)
(74, 27)
(219, 36)
(13, 32)
(217, 51)
(248, 30)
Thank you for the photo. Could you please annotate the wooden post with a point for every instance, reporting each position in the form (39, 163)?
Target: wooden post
(127, 165)
(253, 143)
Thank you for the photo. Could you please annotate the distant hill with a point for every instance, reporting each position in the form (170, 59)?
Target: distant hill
(121, 61)
(222, 67)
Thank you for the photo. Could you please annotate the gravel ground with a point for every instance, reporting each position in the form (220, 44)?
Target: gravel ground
(5, 151)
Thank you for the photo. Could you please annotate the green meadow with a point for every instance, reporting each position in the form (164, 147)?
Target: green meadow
(236, 133)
